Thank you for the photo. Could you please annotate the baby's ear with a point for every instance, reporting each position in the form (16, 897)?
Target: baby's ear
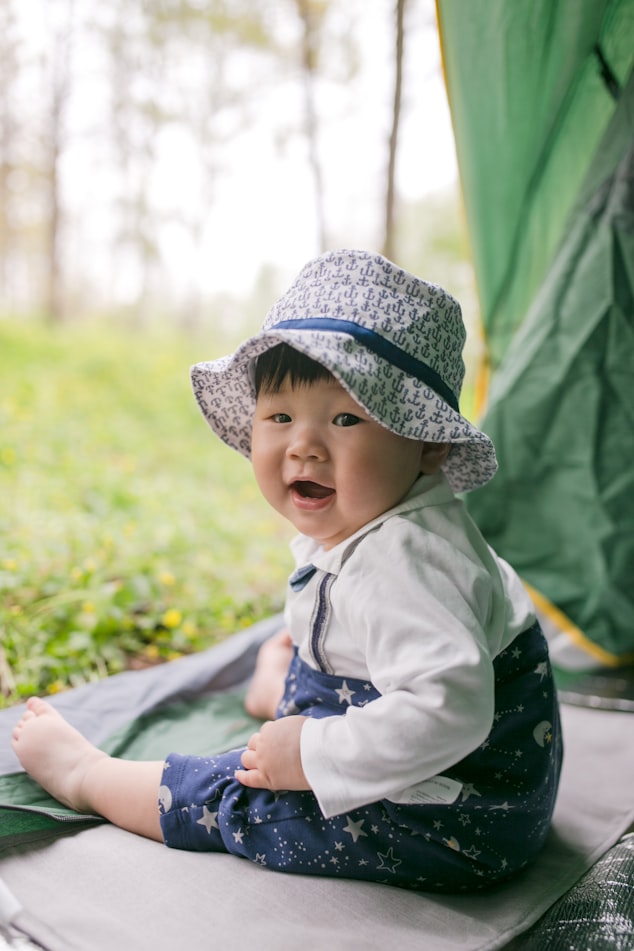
(433, 456)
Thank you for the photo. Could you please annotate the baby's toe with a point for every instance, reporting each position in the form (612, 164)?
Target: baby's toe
(37, 706)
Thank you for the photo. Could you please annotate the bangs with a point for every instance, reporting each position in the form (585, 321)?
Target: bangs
(282, 363)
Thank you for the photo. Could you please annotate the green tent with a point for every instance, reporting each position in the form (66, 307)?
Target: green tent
(542, 100)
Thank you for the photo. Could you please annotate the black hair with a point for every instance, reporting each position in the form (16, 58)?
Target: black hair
(282, 362)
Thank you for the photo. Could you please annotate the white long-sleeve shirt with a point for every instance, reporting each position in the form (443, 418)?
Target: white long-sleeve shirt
(420, 609)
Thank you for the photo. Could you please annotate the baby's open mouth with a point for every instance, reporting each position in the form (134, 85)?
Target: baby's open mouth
(312, 490)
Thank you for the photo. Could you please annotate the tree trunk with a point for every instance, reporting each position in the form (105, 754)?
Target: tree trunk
(8, 135)
(390, 194)
(60, 82)
(309, 63)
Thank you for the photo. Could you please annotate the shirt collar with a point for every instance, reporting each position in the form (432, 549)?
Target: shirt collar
(426, 491)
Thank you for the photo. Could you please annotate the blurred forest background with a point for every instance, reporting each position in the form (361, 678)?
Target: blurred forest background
(166, 167)
(157, 157)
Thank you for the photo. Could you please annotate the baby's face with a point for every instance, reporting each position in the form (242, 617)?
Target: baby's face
(324, 464)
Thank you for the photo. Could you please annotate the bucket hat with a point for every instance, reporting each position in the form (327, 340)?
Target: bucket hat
(392, 340)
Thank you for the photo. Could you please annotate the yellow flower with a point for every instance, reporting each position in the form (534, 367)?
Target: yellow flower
(171, 618)
(57, 686)
(166, 578)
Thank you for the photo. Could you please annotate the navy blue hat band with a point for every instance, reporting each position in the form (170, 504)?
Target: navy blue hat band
(380, 346)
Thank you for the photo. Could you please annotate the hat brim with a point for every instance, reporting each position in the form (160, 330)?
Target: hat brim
(225, 393)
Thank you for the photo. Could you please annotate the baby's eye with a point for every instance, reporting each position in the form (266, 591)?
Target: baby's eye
(281, 418)
(346, 419)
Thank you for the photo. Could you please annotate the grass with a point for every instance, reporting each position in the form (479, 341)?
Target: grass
(128, 533)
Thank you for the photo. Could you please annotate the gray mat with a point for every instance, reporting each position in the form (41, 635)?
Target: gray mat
(102, 889)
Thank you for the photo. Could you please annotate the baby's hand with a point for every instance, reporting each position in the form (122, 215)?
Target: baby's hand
(272, 758)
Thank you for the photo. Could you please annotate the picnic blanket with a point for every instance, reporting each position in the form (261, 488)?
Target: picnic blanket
(71, 882)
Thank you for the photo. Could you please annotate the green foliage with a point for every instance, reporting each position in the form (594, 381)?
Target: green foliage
(128, 533)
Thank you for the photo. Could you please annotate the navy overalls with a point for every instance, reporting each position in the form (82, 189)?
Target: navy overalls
(496, 826)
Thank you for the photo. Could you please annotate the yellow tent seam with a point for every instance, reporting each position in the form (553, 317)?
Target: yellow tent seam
(576, 635)
(483, 370)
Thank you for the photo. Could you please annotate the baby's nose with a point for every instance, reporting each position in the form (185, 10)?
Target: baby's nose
(306, 443)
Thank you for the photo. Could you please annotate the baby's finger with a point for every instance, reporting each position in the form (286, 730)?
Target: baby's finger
(252, 778)
(248, 759)
(253, 740)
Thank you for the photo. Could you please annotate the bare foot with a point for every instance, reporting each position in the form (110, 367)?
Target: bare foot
(54, 754)
(267, 684)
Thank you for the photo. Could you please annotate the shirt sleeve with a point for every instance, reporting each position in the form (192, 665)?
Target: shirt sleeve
(418, 616)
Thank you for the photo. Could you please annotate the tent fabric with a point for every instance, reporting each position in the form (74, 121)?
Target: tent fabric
(532, 86)
(561, 508)
(94, 888)
(584, 917)
(544, 132)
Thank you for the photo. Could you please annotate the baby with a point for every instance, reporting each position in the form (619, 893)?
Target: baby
(412, 731)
